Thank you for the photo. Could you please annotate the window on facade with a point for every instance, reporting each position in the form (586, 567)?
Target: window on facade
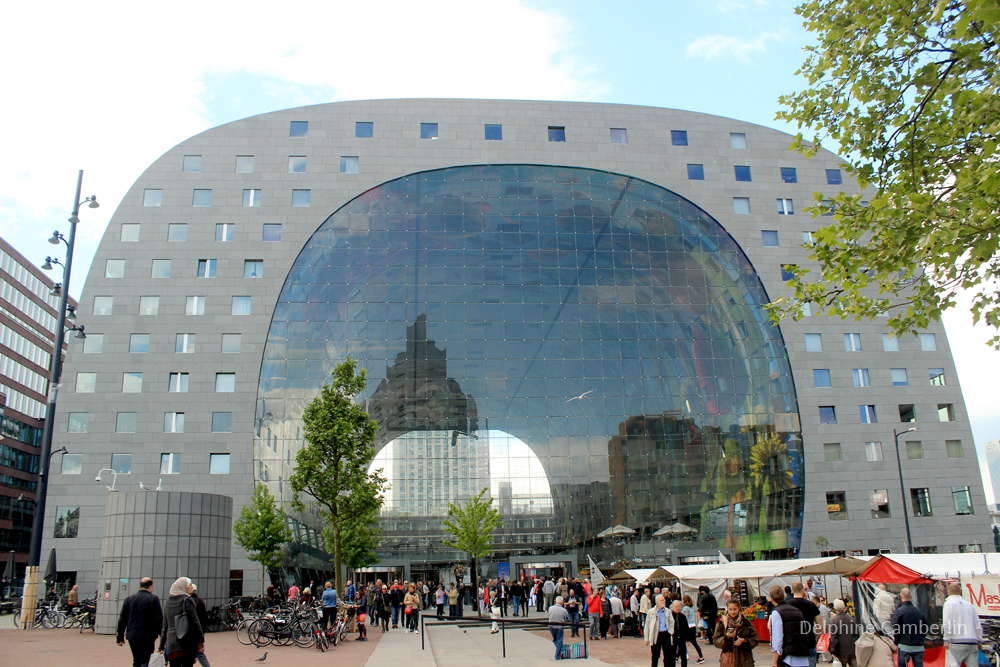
(832, 452)
(954, 449)
(899, 377)
(809, 239)
(814, 342)
(225, 382)
(788, 271)
(364, 130)
(928, 342)
(152, 198)
(253, 268)
(741, 205)
(557, 133)
(879, 501)
(173, 422)
(131, 383)
(828, 207)
(224, 231)
(827, 414)
(170, 464)
(936, 376)
(769, 238)
(914, 449)
(493, 132)
(160, 268)
(78, 423)
(301, 198)
(130, 233)
(867, 414)
(93, 344)
(125, 422)
(679, 137)
(178, 383)
(177, 232)
(148, 305)
(861, 377)
(72, 464)
(218, 464)
(836, 506)
(821, 377)
(201, 198)
(428, 130)
(696, 172)
(103, 305)
(742, 173)
(962, 498)
(619, 135)
(788, 175)
(206, 268)
(251, 198)
(222, 422)
(921, 501)
(785, 207)
(890, 343)
(738, 140)
(114, 268)
(86, 383)
(121, 463)
(185, 343)
(833, 177)
(298, 128)
(191, 163)
(349, 164)
(946, 412)
(67, 523)
(244, 164)
(138, 343)
(852, 342)
(272, 232)
(241, 305)
(873, 451)
(232, 343)
(906, 413)
(296, 164)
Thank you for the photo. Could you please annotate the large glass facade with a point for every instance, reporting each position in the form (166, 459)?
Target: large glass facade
(589, 346)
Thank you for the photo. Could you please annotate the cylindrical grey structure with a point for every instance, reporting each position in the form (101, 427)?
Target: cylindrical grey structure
(164, 536)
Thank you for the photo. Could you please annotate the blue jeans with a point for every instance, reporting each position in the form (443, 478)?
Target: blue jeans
(557, 639)
(903, 656)
(517, 604)
(574, 619)
(395, 614)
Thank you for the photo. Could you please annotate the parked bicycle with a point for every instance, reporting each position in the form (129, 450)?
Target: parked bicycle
(46, 616)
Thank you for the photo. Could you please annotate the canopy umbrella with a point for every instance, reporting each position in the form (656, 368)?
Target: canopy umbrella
(616, 530)
(680, 528)
(8, 573)
(50, 568)
(666, 530)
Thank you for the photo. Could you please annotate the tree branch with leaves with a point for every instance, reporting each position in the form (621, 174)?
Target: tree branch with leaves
(260, 529)
(472, 525)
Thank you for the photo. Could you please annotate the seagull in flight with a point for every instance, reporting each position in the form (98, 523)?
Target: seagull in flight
(581, 396)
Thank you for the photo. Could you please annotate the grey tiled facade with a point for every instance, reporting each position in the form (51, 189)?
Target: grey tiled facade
(396, 150)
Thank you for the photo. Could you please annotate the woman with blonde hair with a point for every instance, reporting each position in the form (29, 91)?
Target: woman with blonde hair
(182, 636)
(736, 636)
(411, 608)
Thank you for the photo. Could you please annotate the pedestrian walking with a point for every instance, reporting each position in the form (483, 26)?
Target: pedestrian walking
(440, 598)
(202, 611)
(708, 607)
(844, 632)
(789, 641)
(329, 606)
(411, 608)
(658, 634)
(617, 612)
(557, 624)
(691, 636)
(383, 607)
(140, 622)
(362, 615)
(572, 606)
(962, 629)
(605, 621)
(181, 645)
(735, 636)
(594, 615)
(453, 601)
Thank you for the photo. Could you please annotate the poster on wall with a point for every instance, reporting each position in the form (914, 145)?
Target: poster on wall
(503, 570)
(983, 593)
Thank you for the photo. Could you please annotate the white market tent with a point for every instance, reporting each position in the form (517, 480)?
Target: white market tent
(759, 569)
(935, 566)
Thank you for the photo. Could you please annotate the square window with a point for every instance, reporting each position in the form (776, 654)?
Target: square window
(298, 128)
(769, 238)
(831, 452)
(301, 197)
(809, 239)
(72, 464)
(954, 448)
(879, 501)
(907, 413)
(114, 268)
(78, 423)
(185, 343)
(130, 233)
(696, 172)
(936, 376)
(138, 343)
(821, 377)
(833, 177)
(742, 173)
(899, 377)
(364, 130)
(195, 305)
(173, 422)
(148, 305)
(914, 450)
(206, 268)
(121, 463)
(125, 422)
(788, 175)
(201, 198)
(921, 501)
(224, 231)
(177, 232)
(814, 342)
(836, 506)
(93, 344)
(873, 451)
(827, 414)
(232, 343)
(251, 198)
(67, 522)
(178, 383)
(786, 207)
(191, 163)
(619, 135)
(890, 343)
(678, 137)
(222, 422)
(253, 268)
(296, 164)
(131, 383)
(218, 464)
(741, 205)
(225, 383)
(493, 132)
(272, 232)
(161, 268)
(241, 305)
(244, 164)
(557, 133)
(349, 164)
(152, 198)
(86, 383)
(867, 414)
(946, 412)
(928, 342)
(428, 130)
(861, 377)
(962, 498)
(788, 271)
(170, 464)
(737, 140)
(852, 342)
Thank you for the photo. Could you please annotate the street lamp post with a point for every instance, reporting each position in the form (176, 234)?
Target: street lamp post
(902, 488)
(35, 552)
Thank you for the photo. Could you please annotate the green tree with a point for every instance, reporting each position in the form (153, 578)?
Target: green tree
(909, 92)
(332, 467)
(472, 525)
(260, 529)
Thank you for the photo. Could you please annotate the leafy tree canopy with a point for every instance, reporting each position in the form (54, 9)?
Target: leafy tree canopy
(260, 529)
(473, 524)
(908, 90)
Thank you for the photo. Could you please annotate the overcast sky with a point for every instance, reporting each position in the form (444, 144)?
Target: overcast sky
(109, 87)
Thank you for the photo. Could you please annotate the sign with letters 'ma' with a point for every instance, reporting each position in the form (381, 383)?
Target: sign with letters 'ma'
(983, 593)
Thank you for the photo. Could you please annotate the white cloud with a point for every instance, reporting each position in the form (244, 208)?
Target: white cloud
(722, 47)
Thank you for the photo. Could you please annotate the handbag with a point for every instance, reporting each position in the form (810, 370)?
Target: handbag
(181, 626)
(157, 660)
(408, 610)
(823, 643)
(727, 659)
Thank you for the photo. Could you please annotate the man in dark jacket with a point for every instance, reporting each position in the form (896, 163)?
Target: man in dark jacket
(140, 621)
(789, 642)
(810, 612)
(708, 607)
(909, 628)
(843, 635)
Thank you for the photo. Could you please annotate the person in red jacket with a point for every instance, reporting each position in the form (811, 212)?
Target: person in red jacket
(594, 614)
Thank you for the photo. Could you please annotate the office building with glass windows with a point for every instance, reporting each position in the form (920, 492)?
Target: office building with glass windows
(560, 302)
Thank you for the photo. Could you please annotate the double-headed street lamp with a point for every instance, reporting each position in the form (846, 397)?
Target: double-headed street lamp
(902, 488)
